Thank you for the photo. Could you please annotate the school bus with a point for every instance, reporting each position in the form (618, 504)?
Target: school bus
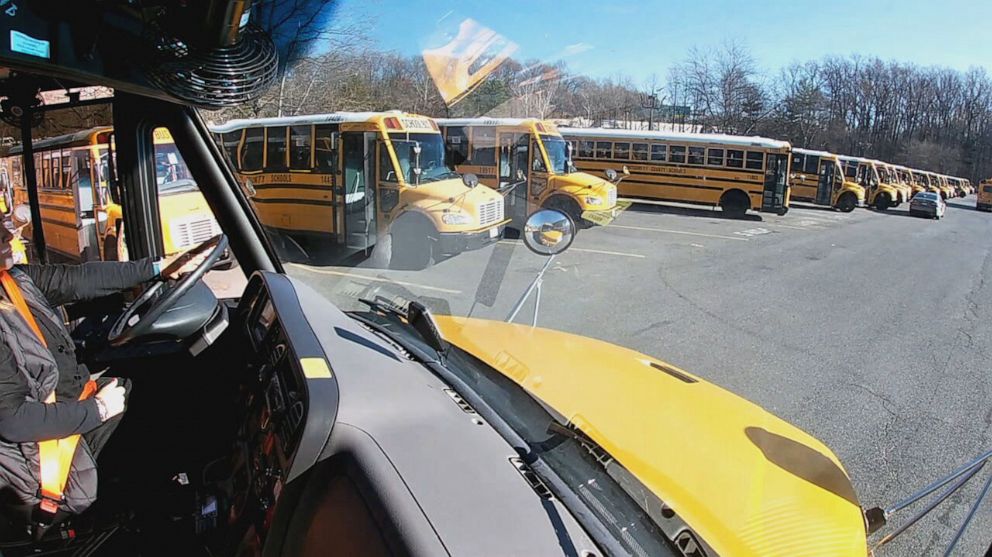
(878, 194)
(888, 174)
(371, 183)
(817, 177)
(499, 150)
(983, 201)
(943, 186)
(907, 177)
(17, 244)
(80, 207)
(735, 172)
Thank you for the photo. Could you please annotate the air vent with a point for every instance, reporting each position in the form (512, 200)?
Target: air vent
(536, 483)
(465, 406)
(688, 544)
(673, 372)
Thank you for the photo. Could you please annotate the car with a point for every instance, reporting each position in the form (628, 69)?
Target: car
(927, 204)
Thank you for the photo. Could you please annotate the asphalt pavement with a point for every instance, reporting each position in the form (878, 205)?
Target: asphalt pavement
(869, 330)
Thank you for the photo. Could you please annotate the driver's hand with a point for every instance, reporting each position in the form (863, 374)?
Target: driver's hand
(187, 267)
(110, 400)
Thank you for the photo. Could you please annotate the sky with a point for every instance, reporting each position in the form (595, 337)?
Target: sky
(644, 38)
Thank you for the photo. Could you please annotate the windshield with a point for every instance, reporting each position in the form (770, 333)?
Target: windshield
(431, 158)
(171, 171)
(701, 253)
(557, 153)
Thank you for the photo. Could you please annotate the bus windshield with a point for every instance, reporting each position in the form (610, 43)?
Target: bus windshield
(557, 153)
(171, 172)
(432, 165)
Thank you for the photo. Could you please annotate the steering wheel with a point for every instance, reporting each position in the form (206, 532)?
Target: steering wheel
(137, 320)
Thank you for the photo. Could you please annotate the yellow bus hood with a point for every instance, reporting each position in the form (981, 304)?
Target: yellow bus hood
(746, 481)
(582, 183)
(448, 194)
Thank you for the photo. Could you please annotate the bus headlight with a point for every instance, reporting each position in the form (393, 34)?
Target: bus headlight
(592, 200)
(456, 218)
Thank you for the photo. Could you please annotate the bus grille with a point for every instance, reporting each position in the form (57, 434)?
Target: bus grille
(193, 230)
(491, 212)
(612, 198)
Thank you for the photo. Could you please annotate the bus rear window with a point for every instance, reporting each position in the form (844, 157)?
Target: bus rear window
(754, 160)
(735, 159)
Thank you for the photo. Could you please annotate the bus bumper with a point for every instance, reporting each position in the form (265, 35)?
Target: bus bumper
(452, 243)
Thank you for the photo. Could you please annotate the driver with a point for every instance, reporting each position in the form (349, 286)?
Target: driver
(37, 359)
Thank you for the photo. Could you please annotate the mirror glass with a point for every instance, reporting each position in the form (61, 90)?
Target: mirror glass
(21, 215)
(611, 174)
(470, 180)
(548, 232)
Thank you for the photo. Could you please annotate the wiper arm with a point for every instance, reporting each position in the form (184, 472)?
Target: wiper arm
(382, 305)
(417, 317)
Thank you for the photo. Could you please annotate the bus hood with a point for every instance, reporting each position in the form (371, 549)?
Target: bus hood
(745, 481)
(582, 183)
(449, 194)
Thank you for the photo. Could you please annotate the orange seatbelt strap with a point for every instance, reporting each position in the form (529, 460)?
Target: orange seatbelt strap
(55, 455)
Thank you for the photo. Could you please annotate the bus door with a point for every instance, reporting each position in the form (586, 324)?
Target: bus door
(514, 157)
(776, 183)
(359, 195)
(826, 186)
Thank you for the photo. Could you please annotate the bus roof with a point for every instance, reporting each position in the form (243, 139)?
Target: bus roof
(327, 118)
(814, 152)
(712, 138)
(489, 121)
(59, 140)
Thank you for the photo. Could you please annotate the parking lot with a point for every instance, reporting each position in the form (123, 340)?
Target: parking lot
(869, 330)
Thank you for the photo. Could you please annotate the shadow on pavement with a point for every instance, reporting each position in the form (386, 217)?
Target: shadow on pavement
(960, 206)
(639, 207)
(804, 205)
(897, 213)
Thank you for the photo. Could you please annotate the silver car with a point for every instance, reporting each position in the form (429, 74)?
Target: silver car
(927, 204)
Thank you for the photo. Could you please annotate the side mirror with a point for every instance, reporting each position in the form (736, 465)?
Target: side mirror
(21, 215)
(520, 175)
(626, 171)
(548, 232)
(611, 174)
(470, 180)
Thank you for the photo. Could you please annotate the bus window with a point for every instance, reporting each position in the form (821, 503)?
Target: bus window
(640, 151)
(325, 149)
(484, 146)
(538, 158)
(677, 154)
(812, 165)
(621, 151)
(659, 152)
(68, 174)
(697, 155)
(54, 178)
(299, 147)
(798, 161)
(275, 152)
(43, 180)
(714, 157)
(456, 145)
(587, 149)
(231, 142)
(754, 160)
(735, 158)
(251, 151)
(386, 170)
(604, 149)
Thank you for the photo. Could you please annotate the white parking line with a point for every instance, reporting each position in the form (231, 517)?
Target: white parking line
(676, 232)
(359, 276)
(589, 250)
(785, 226)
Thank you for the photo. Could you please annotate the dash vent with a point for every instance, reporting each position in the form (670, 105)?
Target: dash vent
(536, 483)
(465, 406)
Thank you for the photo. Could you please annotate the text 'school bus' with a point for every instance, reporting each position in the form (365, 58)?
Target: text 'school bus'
(879, 194)
(817, 177)
(372, 182)
(529, 156)
(735, 172)
(80, 207)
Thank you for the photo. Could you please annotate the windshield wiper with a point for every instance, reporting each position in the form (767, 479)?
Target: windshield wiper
(417, 317)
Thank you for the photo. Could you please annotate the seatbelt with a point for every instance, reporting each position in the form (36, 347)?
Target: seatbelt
(54, 455)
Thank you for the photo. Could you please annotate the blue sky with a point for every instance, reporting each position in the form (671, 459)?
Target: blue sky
(639, 38)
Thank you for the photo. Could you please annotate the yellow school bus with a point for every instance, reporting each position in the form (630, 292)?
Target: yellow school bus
(817, 177)
(498, 150)
(17, 243)
(983, 201)
(372, 183)
(737, 173)
(80, 209)
(888, 175)
(943, 186)
(879, 195)
(908, 177)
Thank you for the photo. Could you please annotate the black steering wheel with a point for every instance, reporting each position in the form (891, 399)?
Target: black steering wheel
(160, 296)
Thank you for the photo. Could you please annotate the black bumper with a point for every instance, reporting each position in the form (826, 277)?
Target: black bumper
(451, 243)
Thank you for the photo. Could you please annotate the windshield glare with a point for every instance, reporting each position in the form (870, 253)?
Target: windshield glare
(557, 152)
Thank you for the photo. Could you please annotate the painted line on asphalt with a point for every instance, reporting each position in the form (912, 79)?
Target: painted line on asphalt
(589, 250)
(375, 279)
(785, 226)
(676, 232)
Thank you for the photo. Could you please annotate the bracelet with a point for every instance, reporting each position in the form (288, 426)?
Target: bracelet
(101, 408)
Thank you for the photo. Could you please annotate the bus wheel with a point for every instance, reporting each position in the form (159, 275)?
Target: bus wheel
(568, 206)
(735, 203)
(412, 245)
(846, 203)
(882, 202)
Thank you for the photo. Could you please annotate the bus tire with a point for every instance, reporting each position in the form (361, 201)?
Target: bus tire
(735, 203)
(568, 206)
(882, 202)
(847, 203)
(412, 241)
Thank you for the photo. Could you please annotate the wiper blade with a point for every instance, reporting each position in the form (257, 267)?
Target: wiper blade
(382, 305)
(416, 316)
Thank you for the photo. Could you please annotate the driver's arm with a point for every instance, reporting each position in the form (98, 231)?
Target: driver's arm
(24, 421)
(63, 284)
